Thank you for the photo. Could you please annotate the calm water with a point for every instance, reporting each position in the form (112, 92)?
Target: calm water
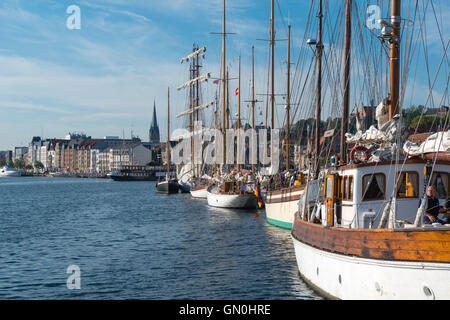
(133, 243)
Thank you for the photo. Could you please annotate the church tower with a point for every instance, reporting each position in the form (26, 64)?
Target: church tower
(153, 133)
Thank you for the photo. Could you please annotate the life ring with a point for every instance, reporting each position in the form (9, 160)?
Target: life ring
(360, 148)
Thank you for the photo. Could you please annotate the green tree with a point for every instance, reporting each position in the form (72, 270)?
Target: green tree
(38, 165)
(11, 164)
(2, 162)
(19, 163)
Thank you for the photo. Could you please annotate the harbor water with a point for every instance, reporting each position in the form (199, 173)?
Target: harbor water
(129, 242)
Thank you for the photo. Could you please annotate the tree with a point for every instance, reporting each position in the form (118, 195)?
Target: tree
(2, 162)
(19, 163)
(38, 165)
(11, 164)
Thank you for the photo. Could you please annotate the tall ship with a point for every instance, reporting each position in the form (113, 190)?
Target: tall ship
(231, 190)
(189, 173)
(362, 230)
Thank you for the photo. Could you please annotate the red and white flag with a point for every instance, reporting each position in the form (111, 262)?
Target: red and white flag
(237, 91)
(216, 81)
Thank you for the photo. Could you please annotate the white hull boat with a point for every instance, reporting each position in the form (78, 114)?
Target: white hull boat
(232, 200)
(9, 172)
(199, 192)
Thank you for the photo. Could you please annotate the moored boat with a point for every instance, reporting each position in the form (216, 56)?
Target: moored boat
(169, 186)
(361, 233)
(9, 172)
(281, 205)
(227, 197)
(199, 192)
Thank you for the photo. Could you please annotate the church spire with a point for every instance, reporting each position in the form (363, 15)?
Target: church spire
(153, 134)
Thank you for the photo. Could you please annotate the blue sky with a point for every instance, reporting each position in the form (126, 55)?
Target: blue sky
(104, 78)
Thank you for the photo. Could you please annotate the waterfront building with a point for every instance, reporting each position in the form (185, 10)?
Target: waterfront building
(6, 155)
(20, 152)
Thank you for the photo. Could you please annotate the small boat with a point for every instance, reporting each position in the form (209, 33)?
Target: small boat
(199, 192)
(170, 186)
(227, 197)
(9, 172)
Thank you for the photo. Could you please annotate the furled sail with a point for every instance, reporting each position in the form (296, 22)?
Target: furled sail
(437, 142)
(202, 78)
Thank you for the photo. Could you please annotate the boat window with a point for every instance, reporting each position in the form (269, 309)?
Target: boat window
(408, 184)
(374, 186)
(345, 191)
(350, 188)
(329, 186)
(340, 181)
(439, 181)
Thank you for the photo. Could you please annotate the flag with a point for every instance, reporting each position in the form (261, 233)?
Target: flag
(216, 81)
(328, 133)
(258, 195)
(237, 91)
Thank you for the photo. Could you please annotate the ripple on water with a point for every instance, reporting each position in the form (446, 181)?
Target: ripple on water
(133, 243)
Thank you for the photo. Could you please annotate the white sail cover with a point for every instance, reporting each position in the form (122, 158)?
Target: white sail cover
(437, 142)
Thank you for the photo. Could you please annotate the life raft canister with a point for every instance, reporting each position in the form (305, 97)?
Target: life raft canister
(360, 148)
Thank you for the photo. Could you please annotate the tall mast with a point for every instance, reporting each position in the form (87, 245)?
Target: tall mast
(288, 97)
(253, 87)
(223, 87)
(346, 97)
(394, 61)
(239, 110)
(168, 133)
(272, 71)
(319, 95)
(253, 96)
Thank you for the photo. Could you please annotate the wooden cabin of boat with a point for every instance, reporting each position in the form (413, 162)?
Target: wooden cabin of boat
(355, 195)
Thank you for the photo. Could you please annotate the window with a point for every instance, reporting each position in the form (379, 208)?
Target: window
(350, 188)
(439, 181)
(346, 188)
(329, 186)
(345, 191)
(374, 186)
(408, 184)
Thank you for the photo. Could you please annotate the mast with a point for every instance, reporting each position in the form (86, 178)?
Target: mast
(394, 59)
(223, 88)
(272, 71)
(239, 110)
(319, 95)
(253, 97)
(168, 134)
(346, 97)
(253, 87)
(288, 97)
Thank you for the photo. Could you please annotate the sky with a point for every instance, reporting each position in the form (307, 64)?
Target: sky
(104, 78)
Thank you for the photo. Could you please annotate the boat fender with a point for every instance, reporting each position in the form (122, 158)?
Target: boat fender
(360, 148)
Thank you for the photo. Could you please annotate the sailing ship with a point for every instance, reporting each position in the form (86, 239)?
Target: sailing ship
(232, 190)
(358, 233)
(189, 172)
(281, 199)
(168, 185)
